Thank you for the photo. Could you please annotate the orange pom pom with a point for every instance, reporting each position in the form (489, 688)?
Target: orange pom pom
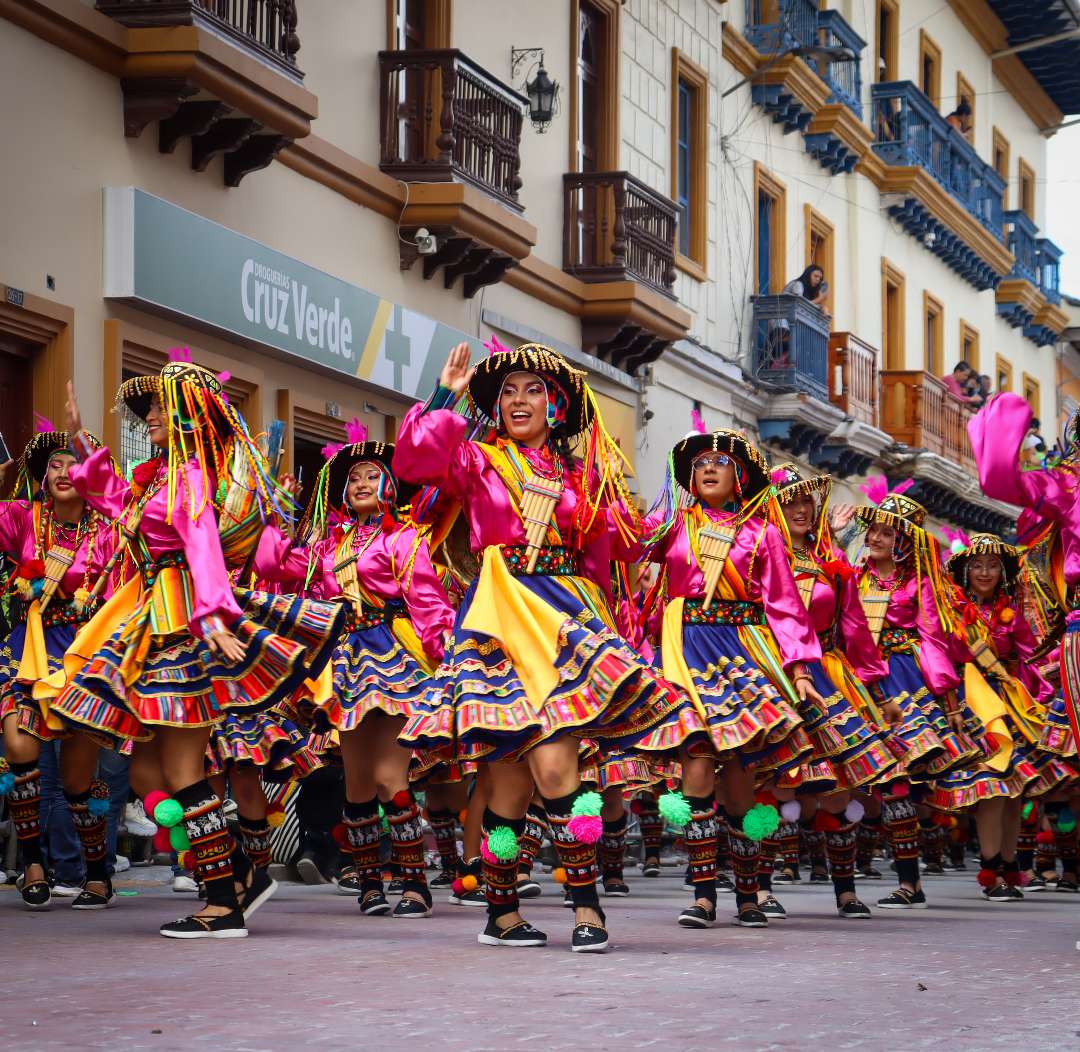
(462, 815)
(469, 882)
(275, 819)
(1006, 615)
(559, 875)
(186, 860)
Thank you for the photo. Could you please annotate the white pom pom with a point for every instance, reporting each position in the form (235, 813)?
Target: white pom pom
(790, 811)
(854, 811)
(957, 546)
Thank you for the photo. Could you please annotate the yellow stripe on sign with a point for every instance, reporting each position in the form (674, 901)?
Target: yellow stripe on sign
(374, 339)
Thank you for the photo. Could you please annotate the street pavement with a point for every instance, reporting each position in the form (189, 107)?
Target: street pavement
(315, 974)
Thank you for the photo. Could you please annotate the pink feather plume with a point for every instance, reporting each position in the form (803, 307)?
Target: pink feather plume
(697, 422)
(778, 475)
(331, 448)
(355, 432)
(180, 354)
(494, 346)
(903, 487)
(224, 376)
(875, 487)
(43, 423)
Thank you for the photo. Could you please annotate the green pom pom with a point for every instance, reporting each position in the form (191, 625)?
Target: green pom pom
(674, 809)
(178, 839)
(502, 842)
(168, 813)
(761, 821)
(588, 803)
(1066, 825)
(1027, 809)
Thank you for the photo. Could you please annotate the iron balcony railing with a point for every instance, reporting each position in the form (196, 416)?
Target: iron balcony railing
(791, 345)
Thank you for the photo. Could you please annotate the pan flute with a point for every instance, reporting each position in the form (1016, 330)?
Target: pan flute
(806, 573)
(128, 531)
(538, 503)
(984, 654)
(714, 543)
(57, 563)
(875, 604)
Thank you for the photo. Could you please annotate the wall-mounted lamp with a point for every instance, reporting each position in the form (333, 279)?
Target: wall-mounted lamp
(542, 91)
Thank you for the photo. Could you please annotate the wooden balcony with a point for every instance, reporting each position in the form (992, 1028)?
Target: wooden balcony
(616, 228)
(223, 75)
(918, 410)
(446, 118)
(853, 373)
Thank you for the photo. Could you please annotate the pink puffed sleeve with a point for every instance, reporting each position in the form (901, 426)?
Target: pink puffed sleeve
(96, 481)
(858, 644)
(277, 560)
(785, 611)
(431, 449)
(425, 598)
(935, 651)
(201, 541)
(16, 524)
(997, 432)
(1027, 672)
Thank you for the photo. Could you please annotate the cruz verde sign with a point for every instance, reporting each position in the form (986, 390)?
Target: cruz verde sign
(164, 257)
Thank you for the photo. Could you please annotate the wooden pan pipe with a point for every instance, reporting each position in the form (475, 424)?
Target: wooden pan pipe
(875, 604)
(537, 510)
(57, 563)
(806, 573)
(714, 543)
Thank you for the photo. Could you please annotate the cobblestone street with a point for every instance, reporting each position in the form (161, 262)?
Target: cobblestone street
(314, 973)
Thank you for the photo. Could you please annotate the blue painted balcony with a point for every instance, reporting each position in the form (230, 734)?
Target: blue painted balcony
(1048, 261)
(1022, 245)
(775, 26)
(791, 345)
(844, 78)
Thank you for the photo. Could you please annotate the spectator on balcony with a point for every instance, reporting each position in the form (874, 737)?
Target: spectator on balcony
(957, 380)
(810, 285)
(960, 118)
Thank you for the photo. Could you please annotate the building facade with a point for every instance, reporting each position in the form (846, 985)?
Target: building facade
(321, 197)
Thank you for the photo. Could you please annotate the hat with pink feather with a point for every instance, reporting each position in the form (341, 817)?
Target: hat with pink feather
(789, 484)
(983, 544)
(34, 461)
(891, 507)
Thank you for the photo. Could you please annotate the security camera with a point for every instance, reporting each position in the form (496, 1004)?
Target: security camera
(427, 244)
(929, 239)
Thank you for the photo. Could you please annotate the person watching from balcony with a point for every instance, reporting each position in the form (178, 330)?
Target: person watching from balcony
(810, 285)
(957, 380)
(960, 118)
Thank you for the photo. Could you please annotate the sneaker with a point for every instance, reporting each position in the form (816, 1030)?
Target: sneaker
(349, 884)
(724, 883)
(411, 909)
(64, 889)
(650, 867)
(183, 884)
(1067, 885)
(615, 887)
(868, 873)
(374, 904)
(36, 895)
(309, 870)
(443, 879)
(93, 900)
(589, 937)
(520, 934)
(121, 864)
(934, 869)
(788, 876)
(751, 917)
(257, 892)
(135, 821)
(854, 910)
(229, 926)
(959, 867)
(773, 909)
(1000, 892)
(902, 899)
(476, 897)
(395, 886)
(1037, 883)
(697, 917)
(527, 888)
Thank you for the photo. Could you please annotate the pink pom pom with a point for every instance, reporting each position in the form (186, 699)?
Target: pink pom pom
(486, 855)
(586, 828)
(179, 354)
(790, 811)
(355, 432)
(1025, 879)
(43, 423)
(331, 448)
(151, 800)
(494, 346)
(162, 843)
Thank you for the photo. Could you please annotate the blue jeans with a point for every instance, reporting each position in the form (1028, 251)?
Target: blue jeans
(113, 769)
(59, 841)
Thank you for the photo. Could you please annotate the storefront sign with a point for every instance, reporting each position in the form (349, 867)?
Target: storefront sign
(162, 256)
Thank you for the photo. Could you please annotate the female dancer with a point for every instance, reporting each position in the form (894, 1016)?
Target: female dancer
(907, 607)
(847, 733)
(535, 663)
(59, 547)
(176, 647)
(746, 658)
(357, 551)
(1004, 686)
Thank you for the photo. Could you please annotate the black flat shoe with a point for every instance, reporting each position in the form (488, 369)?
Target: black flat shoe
(902, 899)
(933, 869)
(817, 876)
(521, 934)
(92, 900)
(257, 892)
(229, 926)
(854, 910)
(616, 887)
(374, 904)
(773, 909)
(697, 917)
(409, 908)
(349, 884)
(589, 937)
(650, 868)
(36, 894)
(395, 887)
(724, 883)
(443, 879)
(527, 888)
(868, 873)
(750, 918)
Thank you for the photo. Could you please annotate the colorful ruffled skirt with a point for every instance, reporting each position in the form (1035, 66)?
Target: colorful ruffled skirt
(267, 741)
(534, 658)
(175, 680)
(617, 768)
(16, 697)
(1057, 735)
